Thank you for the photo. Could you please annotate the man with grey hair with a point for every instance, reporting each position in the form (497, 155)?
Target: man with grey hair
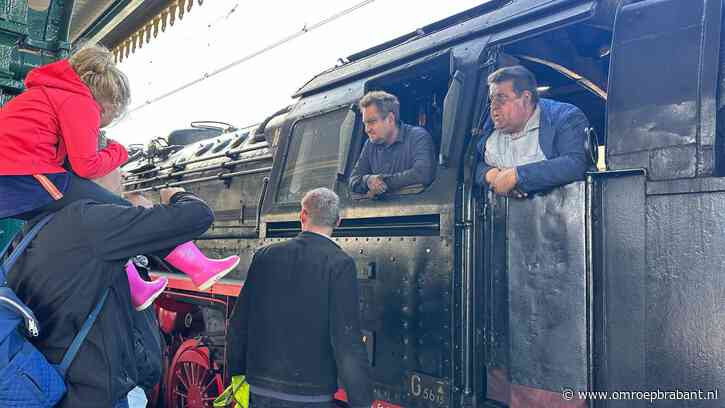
(295, 327)
(396, 154)
(536, 144)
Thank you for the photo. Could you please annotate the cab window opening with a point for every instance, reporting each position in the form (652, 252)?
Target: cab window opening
(420, 90)
(571, 65)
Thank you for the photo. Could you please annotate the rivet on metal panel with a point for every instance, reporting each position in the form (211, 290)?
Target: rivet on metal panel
(392, 259)
(427, 250)
(361, 250)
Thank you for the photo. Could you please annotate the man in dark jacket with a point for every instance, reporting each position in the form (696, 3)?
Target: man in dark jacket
(396, 155)
(537, 144)
(67, 267)
(295, 328)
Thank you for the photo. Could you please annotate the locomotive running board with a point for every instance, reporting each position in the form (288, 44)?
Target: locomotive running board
(181, 282)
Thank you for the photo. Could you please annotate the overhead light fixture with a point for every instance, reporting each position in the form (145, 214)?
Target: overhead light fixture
(542, 89)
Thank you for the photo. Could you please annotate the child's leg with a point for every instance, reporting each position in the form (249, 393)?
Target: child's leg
(204, 272)
(143, 293)
(84, 189)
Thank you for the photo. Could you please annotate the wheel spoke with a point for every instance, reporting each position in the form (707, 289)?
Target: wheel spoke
(194, 373)
(211, 381)
(187, 373)
(181, 379)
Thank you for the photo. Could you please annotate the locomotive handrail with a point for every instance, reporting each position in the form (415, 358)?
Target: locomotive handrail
(220, 176)
(224, 165)
(615, 173)
(230, 154)
(265, 185)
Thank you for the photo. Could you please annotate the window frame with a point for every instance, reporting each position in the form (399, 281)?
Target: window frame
(288, 143)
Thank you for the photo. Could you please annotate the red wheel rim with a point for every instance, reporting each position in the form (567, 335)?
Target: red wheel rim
(192, 381)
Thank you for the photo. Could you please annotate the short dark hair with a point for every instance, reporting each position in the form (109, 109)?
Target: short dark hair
(521, 78)
(385, 103)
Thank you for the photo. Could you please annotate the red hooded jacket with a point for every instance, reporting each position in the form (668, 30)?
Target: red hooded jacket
(55, 117)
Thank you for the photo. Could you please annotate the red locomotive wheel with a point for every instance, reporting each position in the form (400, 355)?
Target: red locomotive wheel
(191, 381)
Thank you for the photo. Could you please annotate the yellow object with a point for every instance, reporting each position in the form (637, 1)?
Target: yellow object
(601, 153)
(236, 395)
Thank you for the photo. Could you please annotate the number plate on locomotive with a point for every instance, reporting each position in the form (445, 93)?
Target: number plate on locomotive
(432, 390)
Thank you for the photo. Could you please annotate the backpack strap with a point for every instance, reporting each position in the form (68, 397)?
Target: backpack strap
(8, 297)
(5, 266)
(75, 346)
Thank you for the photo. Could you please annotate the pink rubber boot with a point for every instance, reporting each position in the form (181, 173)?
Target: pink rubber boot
(143, 293)
(204, 272)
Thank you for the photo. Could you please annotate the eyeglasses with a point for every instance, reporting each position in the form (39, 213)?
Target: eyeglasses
(502, 99)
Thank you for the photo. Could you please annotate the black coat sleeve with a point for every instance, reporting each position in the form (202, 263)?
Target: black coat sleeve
(346, 338)
(117, 232)
(147, 348)
(238, 328)
(361, 171)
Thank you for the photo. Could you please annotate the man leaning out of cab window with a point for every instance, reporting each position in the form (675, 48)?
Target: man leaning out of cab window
(396, 155)
(535, 144)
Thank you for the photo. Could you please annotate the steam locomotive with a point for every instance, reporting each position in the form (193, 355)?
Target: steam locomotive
(469, 299)
(472, 299)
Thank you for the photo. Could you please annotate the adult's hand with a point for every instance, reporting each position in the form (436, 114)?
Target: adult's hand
(138, 200)
(111, 182)
(491, 175)
(376, 185)
(505, 181)
(167, 193)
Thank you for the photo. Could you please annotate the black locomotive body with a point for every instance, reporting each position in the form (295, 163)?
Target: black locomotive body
(466, 298)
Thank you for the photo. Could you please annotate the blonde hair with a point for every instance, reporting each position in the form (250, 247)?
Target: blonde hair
(95, 66)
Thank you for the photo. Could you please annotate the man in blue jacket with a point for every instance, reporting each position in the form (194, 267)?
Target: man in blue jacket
(535, 144)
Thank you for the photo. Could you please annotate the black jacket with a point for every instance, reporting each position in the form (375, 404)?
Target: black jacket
(66, 268)
(147, 347)
(295, 327)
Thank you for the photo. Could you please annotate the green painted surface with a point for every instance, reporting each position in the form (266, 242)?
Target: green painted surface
(28, 38)
(8, 227)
